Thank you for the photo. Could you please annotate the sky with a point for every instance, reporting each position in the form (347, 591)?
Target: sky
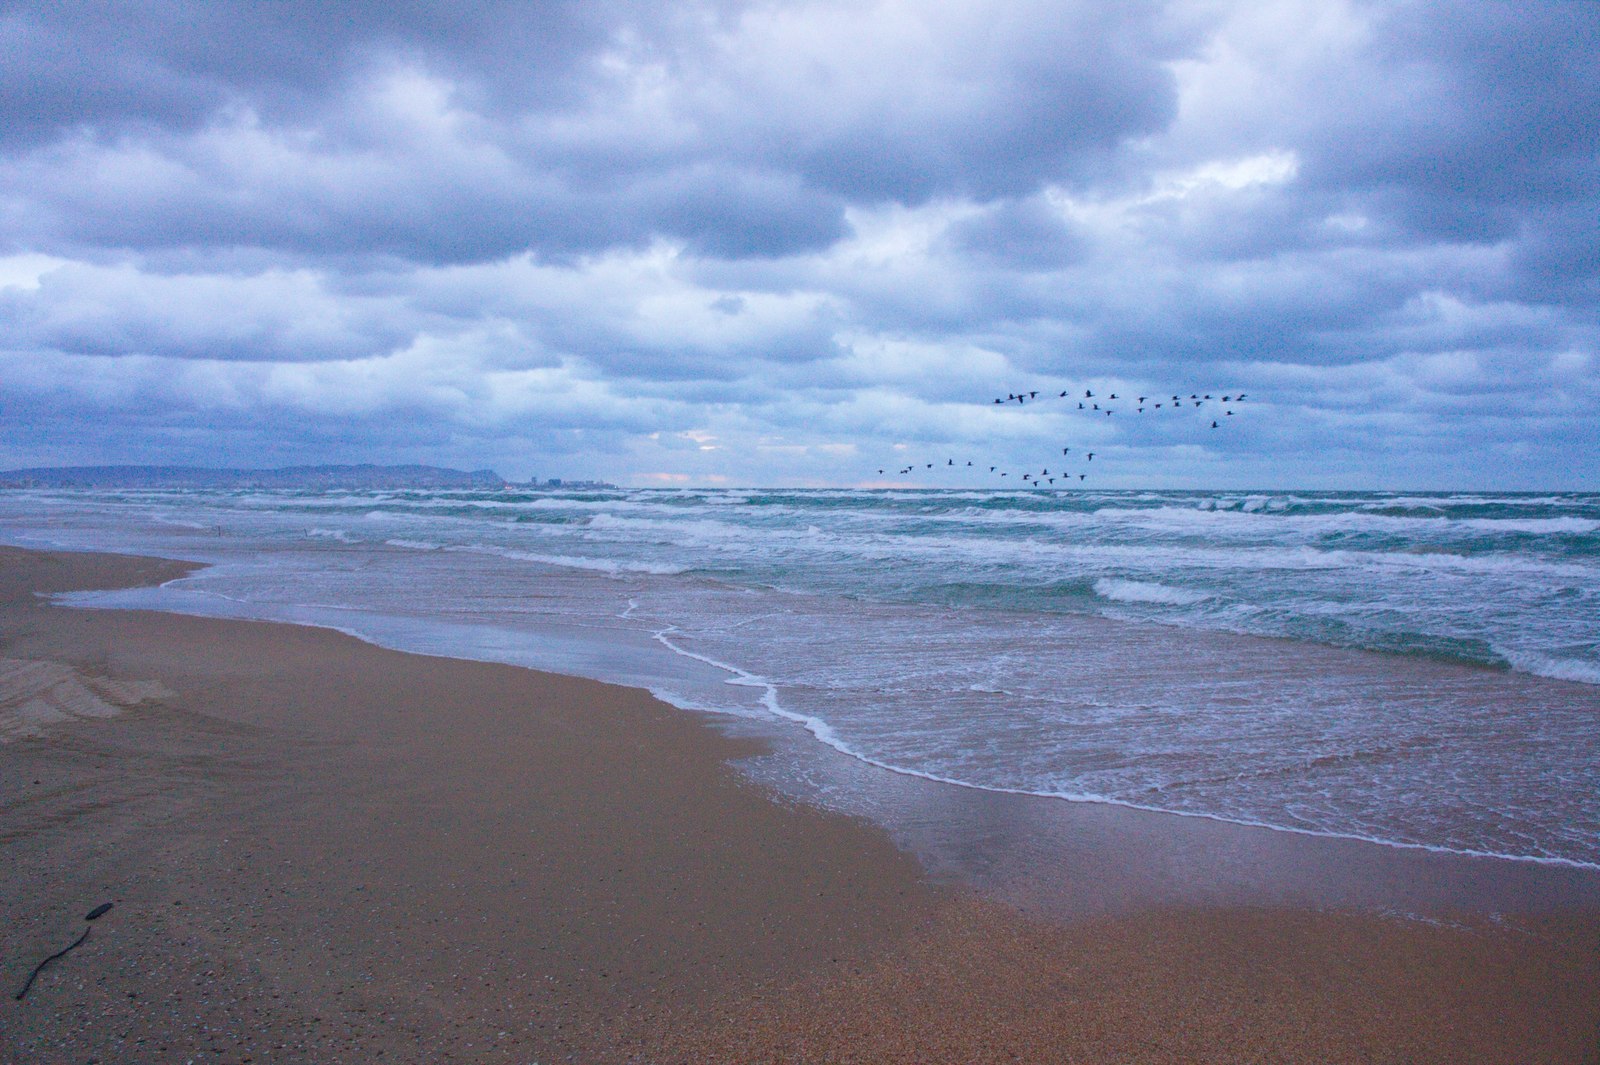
(794, 243)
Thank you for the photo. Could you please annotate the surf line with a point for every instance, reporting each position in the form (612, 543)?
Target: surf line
(818, 728)
(824, 732)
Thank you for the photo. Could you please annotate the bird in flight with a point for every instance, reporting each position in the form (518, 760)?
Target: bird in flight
(1086, 405)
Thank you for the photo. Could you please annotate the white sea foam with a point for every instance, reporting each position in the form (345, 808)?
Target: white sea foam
(415, 545)
(1544, 665)
(1538, 526)
(673, 697)
(330, 534)
(1126, 591)
(1446, 561)
(1255, 516)
(613, 567)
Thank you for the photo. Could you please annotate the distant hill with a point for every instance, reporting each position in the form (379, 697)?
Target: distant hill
(363, 476)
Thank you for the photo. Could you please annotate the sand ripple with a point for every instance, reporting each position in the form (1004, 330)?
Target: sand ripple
(34, 696)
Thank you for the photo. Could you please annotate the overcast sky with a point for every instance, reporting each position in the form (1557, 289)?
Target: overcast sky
(793, 243)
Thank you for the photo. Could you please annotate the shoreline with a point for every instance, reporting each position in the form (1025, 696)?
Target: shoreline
(293, 771)
(784, 720)
(1431, 882)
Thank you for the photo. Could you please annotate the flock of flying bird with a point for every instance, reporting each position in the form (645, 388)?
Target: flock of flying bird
(1089, 404)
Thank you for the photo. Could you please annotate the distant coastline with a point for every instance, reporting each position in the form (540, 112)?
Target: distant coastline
(365, 475)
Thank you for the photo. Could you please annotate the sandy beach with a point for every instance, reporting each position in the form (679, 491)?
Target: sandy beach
(322, 851)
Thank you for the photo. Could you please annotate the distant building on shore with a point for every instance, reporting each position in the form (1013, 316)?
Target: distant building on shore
(571, 486)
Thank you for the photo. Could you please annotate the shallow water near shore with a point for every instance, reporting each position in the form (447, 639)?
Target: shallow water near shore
(853, 629)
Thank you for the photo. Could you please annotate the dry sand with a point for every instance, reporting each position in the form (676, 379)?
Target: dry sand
(322, 851)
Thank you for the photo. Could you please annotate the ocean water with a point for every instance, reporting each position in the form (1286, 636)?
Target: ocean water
(1420, 670)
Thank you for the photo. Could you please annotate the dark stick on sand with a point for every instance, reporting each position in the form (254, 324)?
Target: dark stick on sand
(97, 912)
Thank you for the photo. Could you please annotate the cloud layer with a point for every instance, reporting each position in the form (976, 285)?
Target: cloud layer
(778, 242)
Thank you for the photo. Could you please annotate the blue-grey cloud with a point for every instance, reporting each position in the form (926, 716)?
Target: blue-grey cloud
(725, 236)
(79, 65)
(379, 134)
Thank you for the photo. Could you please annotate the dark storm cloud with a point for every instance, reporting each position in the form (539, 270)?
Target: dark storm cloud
(401, 206)
(1005, 102)
(401, 131)
(732, 215)
(1476, 124)
(1019, 234)
(1555, 258)
(85, 63)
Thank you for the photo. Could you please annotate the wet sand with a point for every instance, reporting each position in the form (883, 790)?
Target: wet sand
(323, 851)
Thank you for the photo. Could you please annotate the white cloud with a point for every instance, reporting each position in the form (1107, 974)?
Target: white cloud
(25, 271)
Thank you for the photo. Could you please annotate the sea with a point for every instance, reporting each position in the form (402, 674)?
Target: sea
(1420, 670)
